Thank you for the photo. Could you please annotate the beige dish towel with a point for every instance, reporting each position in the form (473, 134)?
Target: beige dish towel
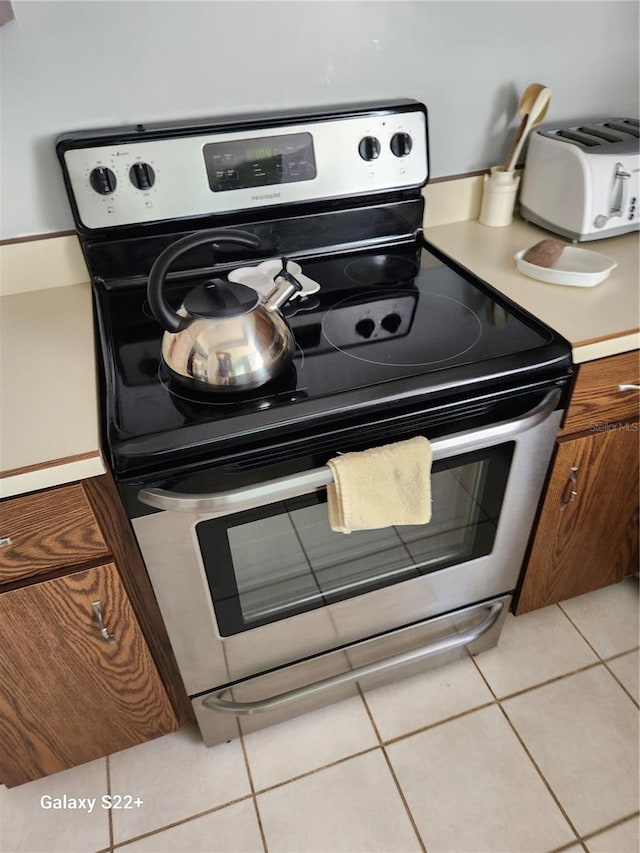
(381, 487)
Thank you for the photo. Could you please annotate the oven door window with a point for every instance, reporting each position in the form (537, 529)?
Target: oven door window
(283, 559)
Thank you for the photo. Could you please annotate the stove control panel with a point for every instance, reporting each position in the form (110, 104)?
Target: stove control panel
(156, 177)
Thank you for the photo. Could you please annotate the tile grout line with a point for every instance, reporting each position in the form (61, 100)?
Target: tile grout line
(527, 752)
(253, 788)
(569, 846)
(397, 738)
(260, 827)
(551, 680)
(497, 701)
(118, 845)
(609, 826)
(617, 680)
(541, 775)
(484, 678)
(591, 646)
(316, 770)
(592, 665)
(423, 846)
(109, 813)
(621, 654)
(604, 660)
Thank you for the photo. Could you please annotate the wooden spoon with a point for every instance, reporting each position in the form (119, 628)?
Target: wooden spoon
(532, 109)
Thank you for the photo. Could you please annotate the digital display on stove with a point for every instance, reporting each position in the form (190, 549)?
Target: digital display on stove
(261, 162)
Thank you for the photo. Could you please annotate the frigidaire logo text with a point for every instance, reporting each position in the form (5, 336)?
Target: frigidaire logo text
(265, 196)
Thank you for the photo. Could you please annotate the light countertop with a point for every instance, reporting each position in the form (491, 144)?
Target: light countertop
(597, 321)
(49, 429)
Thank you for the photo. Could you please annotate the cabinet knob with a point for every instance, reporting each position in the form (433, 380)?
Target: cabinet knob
(5, 541)
(571, 489)
(104, 631)
(628, 387)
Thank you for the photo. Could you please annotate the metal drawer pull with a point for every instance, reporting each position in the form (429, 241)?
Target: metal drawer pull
(453, 641)
(283, 488)
(572, 484)
(104, 631)
(628, 387)
(5, 541)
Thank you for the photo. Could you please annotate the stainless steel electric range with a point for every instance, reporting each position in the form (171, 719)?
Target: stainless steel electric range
(269, 612)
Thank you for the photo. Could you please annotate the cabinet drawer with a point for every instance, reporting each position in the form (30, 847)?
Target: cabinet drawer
(48, 530)
(596, 397)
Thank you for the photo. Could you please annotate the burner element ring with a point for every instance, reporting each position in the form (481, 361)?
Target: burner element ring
(375, 327)
(381, 269)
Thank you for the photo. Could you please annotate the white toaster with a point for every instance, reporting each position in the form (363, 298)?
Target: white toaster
(583, 180)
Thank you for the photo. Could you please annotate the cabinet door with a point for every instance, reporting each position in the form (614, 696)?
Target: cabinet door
(73, 688)
(587, 533)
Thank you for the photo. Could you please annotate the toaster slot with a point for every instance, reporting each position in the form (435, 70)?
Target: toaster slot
(625, 127)
(583, 138)
(601, 133)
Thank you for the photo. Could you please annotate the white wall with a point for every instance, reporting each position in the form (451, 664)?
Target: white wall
(89, 63)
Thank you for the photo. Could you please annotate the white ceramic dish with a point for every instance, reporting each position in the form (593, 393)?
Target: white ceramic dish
(575, 267)
(262, 277)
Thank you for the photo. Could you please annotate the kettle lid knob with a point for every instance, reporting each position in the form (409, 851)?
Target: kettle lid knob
(218, 298)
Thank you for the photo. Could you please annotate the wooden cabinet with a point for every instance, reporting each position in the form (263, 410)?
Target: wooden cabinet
(78, 677)
(46, 531)
(586, 535)
(597, 400)
(74, 685)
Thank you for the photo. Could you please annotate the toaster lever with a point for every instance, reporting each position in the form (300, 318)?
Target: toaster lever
(619, 191)
(617, 196)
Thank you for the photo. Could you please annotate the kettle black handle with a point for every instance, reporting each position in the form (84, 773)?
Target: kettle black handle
(162, 311)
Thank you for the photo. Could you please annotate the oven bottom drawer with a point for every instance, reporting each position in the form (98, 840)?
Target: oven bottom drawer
(264, 700)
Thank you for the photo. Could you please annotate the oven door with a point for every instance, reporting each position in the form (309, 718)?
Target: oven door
(253, 578)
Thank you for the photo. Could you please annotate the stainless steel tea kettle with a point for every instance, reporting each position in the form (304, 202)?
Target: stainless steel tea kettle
(223, 336)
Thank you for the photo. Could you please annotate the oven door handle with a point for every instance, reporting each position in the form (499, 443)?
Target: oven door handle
(215, 702)
(219, 504)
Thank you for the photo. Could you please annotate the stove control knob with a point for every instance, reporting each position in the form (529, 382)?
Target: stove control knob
(102, 180)
(142, 176)
(369, 148)
(401, 144)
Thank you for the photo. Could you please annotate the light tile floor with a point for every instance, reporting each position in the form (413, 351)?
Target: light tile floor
(532, 746)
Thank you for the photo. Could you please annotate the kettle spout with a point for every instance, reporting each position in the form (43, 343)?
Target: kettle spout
(286, 286)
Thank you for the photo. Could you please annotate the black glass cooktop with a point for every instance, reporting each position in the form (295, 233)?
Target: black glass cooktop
(384, 326)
